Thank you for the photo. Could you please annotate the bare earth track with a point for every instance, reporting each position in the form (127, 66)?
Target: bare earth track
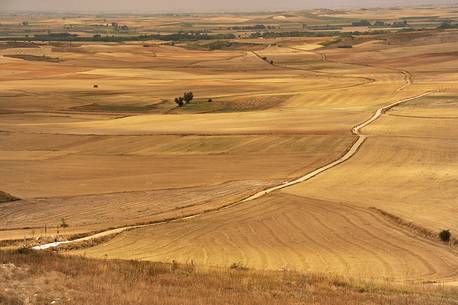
(95, 140)
(349, 153)
(287, 232)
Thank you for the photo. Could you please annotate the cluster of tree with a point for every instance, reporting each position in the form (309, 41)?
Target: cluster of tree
(362, 22)
(56, 36)
(112, 38)
(396, 24)
(400, 24)
(321, 27)
(267, 60)
(186, 98)
(187, 36)
(249, 27)
(447, 25)
(223, 44)
(379, 23)
(219, 44)
(292, 34)
(312, 34)
(117, 27)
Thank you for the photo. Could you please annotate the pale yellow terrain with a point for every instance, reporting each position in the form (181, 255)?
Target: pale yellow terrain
(122, 167)
(121, 153)
(406, 167)
(416, 176)
(293, 233)
(395, 13)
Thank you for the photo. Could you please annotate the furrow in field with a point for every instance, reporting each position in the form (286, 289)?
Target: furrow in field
(285, 231)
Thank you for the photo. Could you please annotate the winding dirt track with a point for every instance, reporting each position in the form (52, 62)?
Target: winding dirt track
(347, 155)
(365, 80)
(408, 77)
(288, 232)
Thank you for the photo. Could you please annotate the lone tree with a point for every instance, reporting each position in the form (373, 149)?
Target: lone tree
(179, 101)
(445, 235)
(188, 96)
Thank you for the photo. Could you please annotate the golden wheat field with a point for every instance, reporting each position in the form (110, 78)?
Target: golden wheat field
(327, 153)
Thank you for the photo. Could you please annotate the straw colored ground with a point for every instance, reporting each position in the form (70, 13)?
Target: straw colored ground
(51, 279)
(122, 153)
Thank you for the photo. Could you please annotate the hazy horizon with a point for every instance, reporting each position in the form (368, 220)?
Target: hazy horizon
(200, 5)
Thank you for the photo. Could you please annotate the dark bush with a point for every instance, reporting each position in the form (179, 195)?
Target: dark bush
(445, 235)
(179, 101)
(220, 44)
(188, 96)
(238, 266)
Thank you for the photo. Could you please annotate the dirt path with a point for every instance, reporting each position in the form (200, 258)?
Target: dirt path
(365, 80)
(350, 152)
(347, 155)
(407, 76)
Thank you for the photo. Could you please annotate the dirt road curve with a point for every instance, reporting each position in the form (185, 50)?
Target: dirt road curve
(348, 154)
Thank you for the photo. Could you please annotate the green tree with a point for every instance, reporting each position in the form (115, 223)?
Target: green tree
(445, 235)
(188, 96)
(179, 101)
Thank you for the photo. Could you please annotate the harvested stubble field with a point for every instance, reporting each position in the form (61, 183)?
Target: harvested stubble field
(94, 140)
(45, 278)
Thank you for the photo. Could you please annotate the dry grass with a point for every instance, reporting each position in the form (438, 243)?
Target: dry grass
(72, 280)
